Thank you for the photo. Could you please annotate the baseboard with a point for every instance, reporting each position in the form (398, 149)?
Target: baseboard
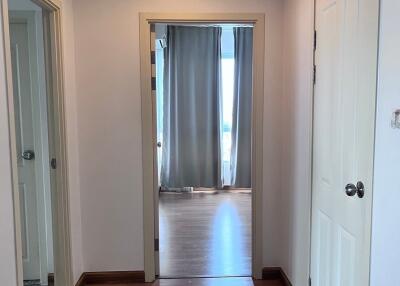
(275, 273)
(111, 277)
(285, 279)
(81, 281)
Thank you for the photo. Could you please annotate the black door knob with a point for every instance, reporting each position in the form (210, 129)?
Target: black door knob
(28, 155)
(358, 189)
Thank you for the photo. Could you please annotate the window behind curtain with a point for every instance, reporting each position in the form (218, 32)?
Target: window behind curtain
(227, 74)
(159, 100)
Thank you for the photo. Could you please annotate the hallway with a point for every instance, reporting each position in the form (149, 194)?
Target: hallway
(81, 144)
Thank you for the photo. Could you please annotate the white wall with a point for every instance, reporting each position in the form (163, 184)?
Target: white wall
(386, 210)
(72, 137)
(296, 116)
(109, 120)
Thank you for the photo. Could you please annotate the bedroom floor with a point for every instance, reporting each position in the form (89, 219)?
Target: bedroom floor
(240, 281)
(205, 234)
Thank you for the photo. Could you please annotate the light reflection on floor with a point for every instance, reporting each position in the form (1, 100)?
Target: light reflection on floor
(227, 242)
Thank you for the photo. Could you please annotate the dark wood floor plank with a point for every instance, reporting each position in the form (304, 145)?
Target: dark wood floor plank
(205, 234)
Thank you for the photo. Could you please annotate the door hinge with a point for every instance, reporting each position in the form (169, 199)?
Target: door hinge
(315, 49)
(309, 281)
(314, 74)
(53, 163)
(315, 40)
(156, 244)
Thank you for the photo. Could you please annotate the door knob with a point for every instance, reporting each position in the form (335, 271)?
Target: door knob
(358, 189)
(158, 144)
(28, 155)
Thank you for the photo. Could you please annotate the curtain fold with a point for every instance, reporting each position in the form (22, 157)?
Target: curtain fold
(242, 108)
(191, 123)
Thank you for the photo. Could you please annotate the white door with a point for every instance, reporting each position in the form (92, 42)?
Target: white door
(25, 149)
(344, 117)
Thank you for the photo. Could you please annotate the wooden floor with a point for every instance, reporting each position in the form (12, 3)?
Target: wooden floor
(205, 234)
(239, 281)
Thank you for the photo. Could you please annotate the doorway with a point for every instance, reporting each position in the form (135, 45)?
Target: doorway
(149, 129)
(203, 104)
(37, 131)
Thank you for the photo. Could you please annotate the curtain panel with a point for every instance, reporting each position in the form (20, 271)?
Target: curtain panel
(242, 108)
(191, 124)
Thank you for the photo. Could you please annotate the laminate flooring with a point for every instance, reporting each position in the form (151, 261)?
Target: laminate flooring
(237, 281)
(205, 234)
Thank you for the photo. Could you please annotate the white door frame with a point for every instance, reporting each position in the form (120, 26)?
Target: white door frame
(149, 133)
(55, 88)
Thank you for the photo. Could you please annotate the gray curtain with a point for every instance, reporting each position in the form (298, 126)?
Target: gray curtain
(242, 107)
(191, 143)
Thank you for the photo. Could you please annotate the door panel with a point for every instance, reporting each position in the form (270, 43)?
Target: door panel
(25, 141)
(346, 257)
(344, 108)
(22, 207)
(324, 248)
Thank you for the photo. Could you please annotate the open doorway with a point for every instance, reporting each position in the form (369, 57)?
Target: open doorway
(151, 188)
(204, 91)
(37, 140)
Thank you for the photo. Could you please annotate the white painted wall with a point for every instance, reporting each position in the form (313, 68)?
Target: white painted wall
(296, 124)
(72, 137)
(386, 211)
(109, 121)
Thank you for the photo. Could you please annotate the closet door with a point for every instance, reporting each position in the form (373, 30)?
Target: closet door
(344, 119)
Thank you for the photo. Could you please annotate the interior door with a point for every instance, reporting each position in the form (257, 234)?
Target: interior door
(343, 145)
(25, 149)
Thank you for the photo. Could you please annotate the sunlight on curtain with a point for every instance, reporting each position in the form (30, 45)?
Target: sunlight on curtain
(227, 76)
(159, 100)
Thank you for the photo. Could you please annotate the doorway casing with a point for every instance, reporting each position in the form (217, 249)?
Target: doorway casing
(57, 137)
(149, 128)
